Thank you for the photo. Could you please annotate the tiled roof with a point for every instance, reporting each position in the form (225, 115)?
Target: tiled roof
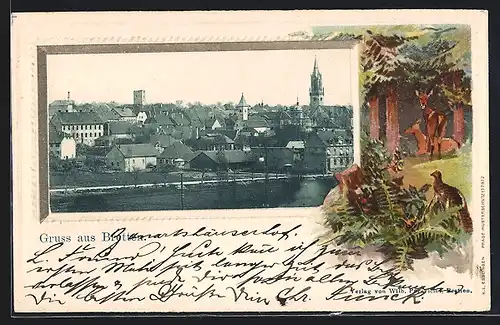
(62, 102)
(295, 144)
(226, 156)
(179, 119)
(177, 150)
(165, 140)
(255, 121)
(54, 136)
(237, 156)
(243, 102)
(138, 150)
(119, 127)
(78, 118)
(161, 119)
(124, 112)
(182, 133)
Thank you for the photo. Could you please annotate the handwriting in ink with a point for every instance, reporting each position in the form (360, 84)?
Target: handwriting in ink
(294, 295)
(45, 297)
(203, 232)
(244, 295)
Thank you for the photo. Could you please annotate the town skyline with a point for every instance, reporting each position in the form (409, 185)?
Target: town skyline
(271, 77)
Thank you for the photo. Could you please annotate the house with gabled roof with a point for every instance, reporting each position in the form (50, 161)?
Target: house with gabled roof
(61, 145)
(84, 127)
(126, 114)
(162, 141)
(177, 154)
(221, 160)
(212, 141)
(132, 157)
(328, 151)
(256, 122)
(121, 129)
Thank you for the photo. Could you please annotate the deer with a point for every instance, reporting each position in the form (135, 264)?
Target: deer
(435, 123)
(447, 144)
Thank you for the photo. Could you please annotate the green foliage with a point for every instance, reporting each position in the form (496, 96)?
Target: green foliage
(400, 221)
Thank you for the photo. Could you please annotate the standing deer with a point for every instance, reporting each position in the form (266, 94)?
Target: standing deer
(447, 144)
(435, 123)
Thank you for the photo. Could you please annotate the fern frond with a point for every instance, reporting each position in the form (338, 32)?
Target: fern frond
(426, 235)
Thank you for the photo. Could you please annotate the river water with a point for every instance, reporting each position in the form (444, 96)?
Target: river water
(280, 193)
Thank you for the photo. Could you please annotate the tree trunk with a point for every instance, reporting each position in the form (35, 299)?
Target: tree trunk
(459, 124)
(458, 113)
(392, 120)
(374, 120)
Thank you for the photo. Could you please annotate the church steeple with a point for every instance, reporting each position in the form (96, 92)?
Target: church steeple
(243, 107)
(316, 91)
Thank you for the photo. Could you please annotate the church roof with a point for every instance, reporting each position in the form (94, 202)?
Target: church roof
(243, 102)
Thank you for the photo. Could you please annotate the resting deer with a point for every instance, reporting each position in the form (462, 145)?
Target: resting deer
(447, 144)
(435, 124)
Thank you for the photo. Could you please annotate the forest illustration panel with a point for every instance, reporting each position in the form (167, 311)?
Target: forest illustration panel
(410, 195)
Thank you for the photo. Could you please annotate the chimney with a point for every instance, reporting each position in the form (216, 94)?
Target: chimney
(69, 97)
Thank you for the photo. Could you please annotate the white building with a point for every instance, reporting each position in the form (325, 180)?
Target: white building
(132, 157)
(84, 127)
(62, 146)
(142, 117)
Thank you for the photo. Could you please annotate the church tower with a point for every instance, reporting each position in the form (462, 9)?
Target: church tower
(243, 107)
(316, 91)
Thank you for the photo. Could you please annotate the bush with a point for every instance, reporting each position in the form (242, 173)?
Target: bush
(399, 221)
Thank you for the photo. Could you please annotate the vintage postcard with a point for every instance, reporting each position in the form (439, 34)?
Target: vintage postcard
(267, 161)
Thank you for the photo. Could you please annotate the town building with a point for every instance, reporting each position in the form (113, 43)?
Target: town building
(139, 97)
(212, 142)
(84, 127)
(297, 148)
(274, 159)
(121, 129)
(132, 157)
(125, 114)
(327, 151)
(61, 105)
(61, 146)
(316, 90)
(243, 108)
(162, 141)
(221, 160)
(177, 154)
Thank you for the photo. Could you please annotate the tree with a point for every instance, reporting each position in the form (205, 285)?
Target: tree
(383, 71)
(456, 86)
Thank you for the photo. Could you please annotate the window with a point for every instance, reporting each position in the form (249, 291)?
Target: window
(85, 134)
(112, 164)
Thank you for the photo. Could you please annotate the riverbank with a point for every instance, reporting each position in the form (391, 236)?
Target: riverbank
(284, 192)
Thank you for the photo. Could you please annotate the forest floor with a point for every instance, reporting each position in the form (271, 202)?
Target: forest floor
(456, 171)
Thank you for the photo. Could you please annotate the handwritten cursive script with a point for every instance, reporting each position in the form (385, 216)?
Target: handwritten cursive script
(260, 267)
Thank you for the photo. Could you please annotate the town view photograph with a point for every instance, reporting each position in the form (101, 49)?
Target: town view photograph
(201, 130)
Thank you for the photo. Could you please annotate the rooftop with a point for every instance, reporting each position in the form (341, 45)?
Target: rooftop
(137, 150)
(78, 118)
(177, 150)
(243, 102)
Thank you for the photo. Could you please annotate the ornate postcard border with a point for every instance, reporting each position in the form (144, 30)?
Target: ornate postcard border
(29, 53)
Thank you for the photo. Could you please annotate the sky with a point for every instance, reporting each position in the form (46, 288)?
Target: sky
(273, 77)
